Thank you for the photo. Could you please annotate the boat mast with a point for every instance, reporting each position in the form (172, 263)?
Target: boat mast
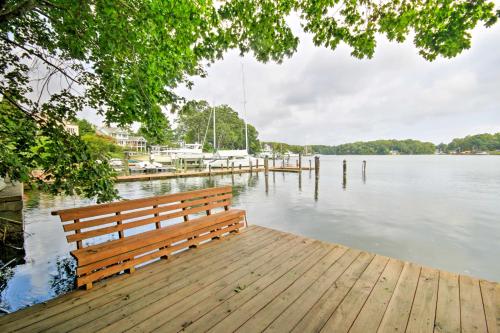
(215, 142)
(244, 107)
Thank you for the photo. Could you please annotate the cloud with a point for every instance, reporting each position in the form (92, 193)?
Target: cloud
(321, 96)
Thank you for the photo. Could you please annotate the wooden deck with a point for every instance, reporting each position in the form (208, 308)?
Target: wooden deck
(266, 280)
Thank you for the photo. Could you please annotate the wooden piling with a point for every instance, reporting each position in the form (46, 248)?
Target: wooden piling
(274, 160)
(251, 167)
(257, 164)
(310, 168)
(300, 161)
(126, 168)
(232, 167)
(316, 166)
(266, 165)
(344, 174)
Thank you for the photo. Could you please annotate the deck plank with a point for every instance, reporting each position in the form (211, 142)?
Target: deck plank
(154, 316)
(128, 292)
(220, 312)
(423, 311)
(128, 311)
(290, 317)
(318, 315)
(398, 311)
(243, 313)
(265, 315)
(343, 317)
(491, 300)
(473, 318)
(192, 308)
(448, 304)
(64, 302)
(370, 316)
(267, 280)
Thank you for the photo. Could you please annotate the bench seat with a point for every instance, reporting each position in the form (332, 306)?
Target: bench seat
(104, 259)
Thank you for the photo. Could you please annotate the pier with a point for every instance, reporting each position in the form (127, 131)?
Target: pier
(267, 280)
(204, 173)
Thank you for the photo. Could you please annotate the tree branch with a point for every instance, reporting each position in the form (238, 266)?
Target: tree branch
(39, 56)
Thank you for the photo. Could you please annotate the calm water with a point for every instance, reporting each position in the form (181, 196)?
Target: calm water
(440, 211)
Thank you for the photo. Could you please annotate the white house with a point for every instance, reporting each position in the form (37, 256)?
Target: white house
(125, 139)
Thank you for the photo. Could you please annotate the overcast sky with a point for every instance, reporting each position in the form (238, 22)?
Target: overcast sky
(321, 96)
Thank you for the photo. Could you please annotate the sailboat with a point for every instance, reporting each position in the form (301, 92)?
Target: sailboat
(240, 157)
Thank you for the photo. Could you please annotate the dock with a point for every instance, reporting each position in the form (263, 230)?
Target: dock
(201, 173)
(264, 280)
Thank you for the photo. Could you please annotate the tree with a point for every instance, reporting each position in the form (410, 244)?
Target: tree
(195, 125)
(85, 127)
(124, 60)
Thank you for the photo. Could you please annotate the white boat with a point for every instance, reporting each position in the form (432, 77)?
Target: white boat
(226, 158)
(116, 162)
(149, 166)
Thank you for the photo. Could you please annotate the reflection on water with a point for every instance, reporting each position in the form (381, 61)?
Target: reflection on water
(440, 211)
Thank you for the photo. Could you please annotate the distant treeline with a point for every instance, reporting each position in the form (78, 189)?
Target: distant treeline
(378, 147)
(472, 143)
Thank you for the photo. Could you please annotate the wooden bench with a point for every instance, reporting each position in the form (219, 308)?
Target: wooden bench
(139, 234)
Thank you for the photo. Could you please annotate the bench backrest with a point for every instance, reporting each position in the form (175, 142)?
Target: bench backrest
(100, 220)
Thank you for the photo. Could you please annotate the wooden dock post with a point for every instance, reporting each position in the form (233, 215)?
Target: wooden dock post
(310, 168)
(344, 174)
(266, 165)
(125, 165)
(257, 164)
(251, 167)
(232, 167)
(227, 163)
(316, 166)
(363, 167)
(274, 160)
(209, 170)
(300, 162)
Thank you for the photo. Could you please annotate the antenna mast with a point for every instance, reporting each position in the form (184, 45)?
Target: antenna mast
(244, 106)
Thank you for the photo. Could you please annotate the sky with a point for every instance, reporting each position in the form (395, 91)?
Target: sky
(320, 96)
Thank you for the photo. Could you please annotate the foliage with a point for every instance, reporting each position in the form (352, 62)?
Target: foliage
(474, 143)
(68, 164)
(384, 147)
(100, 145)
(125, 58)
(85, 127)
(281, 148)
(195, 124)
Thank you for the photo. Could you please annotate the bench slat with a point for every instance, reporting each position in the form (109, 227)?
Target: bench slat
(144, 212)
(139, 223)
(103, 250)
(132, 263)
(151, 247)
(103, 209)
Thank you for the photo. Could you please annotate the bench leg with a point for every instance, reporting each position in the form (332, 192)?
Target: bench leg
(88, 286)
(130, 270)
(215, 237)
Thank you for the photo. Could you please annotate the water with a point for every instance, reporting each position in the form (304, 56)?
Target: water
(439, 211)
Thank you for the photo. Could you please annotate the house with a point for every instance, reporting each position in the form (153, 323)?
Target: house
(125, 139)
(71, 129)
